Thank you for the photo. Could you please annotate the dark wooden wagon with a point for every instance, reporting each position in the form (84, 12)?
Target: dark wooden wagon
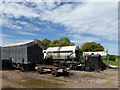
(23, 56)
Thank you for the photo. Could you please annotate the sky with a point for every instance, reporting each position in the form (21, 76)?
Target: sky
(81, 22)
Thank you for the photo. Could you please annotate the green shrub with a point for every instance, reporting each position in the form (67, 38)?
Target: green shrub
(116, 63)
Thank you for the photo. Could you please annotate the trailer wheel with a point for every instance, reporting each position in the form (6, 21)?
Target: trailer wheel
(39, 70)
(71, 66)
(22, 69)
(65, 72)
(54, 73)
(87, 68)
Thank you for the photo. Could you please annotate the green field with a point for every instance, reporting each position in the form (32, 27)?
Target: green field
(116, 63)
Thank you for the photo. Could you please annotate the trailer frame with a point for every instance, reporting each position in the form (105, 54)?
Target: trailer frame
(55, 70)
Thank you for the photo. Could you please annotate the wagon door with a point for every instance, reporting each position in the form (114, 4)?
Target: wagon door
(34, 54)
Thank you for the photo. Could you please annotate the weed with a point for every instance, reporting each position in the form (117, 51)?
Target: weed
(61, 80)
(109, 82)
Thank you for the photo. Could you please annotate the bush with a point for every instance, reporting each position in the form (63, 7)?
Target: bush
(111, 62)
(112, 57)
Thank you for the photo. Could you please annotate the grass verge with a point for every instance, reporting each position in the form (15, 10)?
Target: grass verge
(116, 63)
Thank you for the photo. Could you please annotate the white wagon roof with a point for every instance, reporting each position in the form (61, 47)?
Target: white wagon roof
(63, 48)
(28, 43)
(17, 44)
(97, 52)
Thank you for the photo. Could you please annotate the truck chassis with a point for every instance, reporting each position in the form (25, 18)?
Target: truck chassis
(55, 70)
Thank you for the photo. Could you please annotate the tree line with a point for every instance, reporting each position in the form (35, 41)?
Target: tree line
(64, 41)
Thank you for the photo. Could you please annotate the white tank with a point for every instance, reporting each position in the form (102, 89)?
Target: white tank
(65, 52)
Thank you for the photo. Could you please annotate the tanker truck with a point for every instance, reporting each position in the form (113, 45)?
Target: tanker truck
(69, 56)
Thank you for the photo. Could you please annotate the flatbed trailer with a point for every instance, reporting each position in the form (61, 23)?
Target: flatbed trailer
(55, 70)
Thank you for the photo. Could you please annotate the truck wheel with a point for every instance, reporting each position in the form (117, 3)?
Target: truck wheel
(54, 73)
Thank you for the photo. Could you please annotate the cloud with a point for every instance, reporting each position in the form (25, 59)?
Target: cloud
(25, 33)
(10, 24)
(22, 23)
(98, 19)
(112, 48)
(79, 39)
(4, 35)
(92, 18)
(17, 10)
(62, 0)
(86, 21)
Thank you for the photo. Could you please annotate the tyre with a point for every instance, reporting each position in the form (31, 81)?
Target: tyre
(87, 68)
(65, 72)
(22, 69)
(71, 66)
(39, 71)
(54, 73)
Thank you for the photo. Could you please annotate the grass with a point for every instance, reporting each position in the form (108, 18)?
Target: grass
(109, 82)
(116, 63)
(61, 80)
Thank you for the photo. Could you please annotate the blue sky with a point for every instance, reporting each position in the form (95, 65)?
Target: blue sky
(80, 21)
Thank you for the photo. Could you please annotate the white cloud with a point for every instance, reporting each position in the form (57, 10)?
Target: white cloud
(112, 48)
(18, 10)
(92, 18)
(4, 35)
(82, 39)
(98, 19)
(62, 0)
(22, 22)
(25, 33)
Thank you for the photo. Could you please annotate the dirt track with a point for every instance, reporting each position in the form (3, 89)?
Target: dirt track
(76, 79)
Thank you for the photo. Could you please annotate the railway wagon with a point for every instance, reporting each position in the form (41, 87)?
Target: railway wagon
(102, 53)
(22, 55)
(69, 56)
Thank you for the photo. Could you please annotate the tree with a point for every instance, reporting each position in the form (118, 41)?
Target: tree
(91, 46)
(61, 42)
(45, 42)
(56, 43)
(112, 57)
(71, 44)
(64, 41)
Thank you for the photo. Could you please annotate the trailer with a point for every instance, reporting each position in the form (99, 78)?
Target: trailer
(55, 70)
(69, 56)
(23, 56)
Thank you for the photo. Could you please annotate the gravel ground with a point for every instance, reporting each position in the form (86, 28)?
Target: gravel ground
(109, 75)
(76, 79)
